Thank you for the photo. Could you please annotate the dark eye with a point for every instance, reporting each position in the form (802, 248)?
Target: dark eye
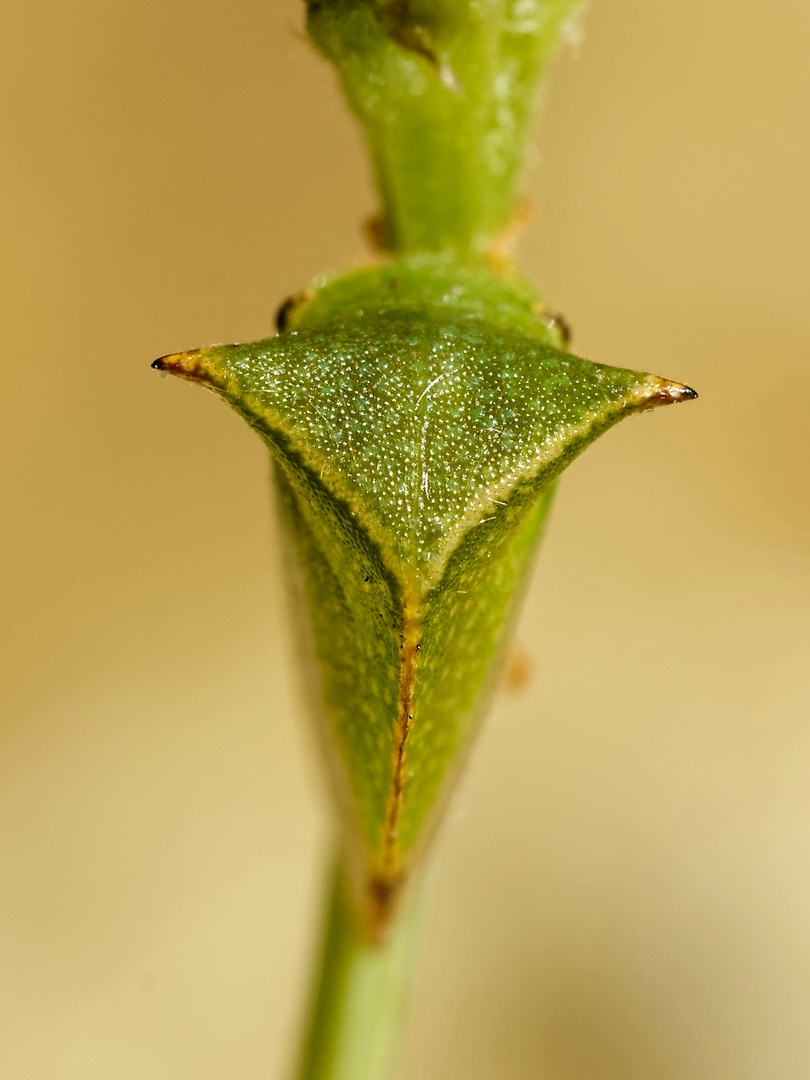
(283, 314)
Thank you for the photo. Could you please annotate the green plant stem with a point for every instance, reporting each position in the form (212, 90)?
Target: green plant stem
(444, 91)
(360, 993)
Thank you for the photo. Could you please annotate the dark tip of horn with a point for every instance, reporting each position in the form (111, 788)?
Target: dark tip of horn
(683, 393)
(181, 363)
(664, 392)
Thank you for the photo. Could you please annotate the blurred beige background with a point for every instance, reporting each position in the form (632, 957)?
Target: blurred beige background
(624, 891)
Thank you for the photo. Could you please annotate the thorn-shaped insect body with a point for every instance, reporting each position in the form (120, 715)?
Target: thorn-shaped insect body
(416, 442)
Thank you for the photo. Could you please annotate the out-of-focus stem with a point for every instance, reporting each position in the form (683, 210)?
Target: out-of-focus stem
(360, 992)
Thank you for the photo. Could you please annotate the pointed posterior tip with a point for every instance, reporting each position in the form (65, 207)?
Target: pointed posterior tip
(665, 392)
(182, 363)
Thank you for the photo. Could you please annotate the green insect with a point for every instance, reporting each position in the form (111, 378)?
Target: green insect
(418, 414)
